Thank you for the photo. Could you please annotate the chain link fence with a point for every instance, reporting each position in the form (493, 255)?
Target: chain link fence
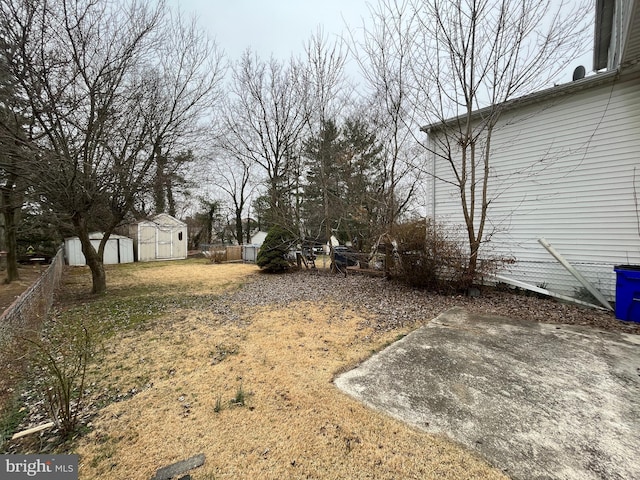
(30, 309)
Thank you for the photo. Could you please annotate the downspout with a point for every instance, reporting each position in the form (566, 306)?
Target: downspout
(432, 151)
(571, 269)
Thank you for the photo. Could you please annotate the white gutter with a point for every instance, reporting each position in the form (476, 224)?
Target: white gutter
(571, 269)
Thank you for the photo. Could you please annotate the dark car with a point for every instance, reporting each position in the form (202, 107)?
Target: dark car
(344, 256)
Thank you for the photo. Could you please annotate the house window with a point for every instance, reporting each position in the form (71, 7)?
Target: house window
(180, 236)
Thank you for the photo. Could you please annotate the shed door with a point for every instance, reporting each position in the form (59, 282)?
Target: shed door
(164, 242)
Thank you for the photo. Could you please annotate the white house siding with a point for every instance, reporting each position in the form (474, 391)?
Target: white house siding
(563, 169)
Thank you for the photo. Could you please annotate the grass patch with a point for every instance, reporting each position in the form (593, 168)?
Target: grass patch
(10, 418)
(218, 406)
(240, 398)
(295, 423)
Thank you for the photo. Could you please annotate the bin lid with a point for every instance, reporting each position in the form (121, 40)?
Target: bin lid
(635, 268)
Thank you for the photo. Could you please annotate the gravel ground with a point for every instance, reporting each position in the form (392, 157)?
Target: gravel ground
(391, 305)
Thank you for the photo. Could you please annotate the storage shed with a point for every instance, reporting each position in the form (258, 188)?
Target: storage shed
(162, 237)
(118, 249)
(258, 238)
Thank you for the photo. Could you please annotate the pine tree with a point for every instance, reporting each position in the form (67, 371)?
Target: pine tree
(14, 158)
(273, 252)
(345, 191)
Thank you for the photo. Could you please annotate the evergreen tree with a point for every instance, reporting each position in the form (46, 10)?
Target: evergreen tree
(273, 252)
(322, 203)
(365, 189)
(14, 159)
(345, 189)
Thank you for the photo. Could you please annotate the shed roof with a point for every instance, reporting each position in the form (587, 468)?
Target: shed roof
(162, 219)
(99, 235)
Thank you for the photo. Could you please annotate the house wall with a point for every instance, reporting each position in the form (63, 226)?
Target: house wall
(563, 169)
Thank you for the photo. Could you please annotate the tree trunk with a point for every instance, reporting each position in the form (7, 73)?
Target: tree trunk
(171, 201)
(9, 213)
(239, 233)
(11, 245)
(470, 273)
(159, 183)
(94, 262)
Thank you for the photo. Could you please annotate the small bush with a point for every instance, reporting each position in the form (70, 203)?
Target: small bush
(272, 256)
(429, 256)
(434, 257)
(61, 358)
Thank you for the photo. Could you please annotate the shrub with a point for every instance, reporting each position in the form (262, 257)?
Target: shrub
(435, 257)
(61, 357)
(272, 256)
(429, 256)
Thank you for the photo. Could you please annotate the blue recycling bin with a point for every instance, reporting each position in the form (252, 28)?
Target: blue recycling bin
(628, 292)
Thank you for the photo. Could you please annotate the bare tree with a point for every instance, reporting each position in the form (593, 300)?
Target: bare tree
(263, 119)
(324, 74)
(111, 86)
(234, 177)
(480, 54)
(383, 52)
(184, 83)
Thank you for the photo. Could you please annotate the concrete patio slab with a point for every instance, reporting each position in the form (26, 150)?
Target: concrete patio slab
(539, 401)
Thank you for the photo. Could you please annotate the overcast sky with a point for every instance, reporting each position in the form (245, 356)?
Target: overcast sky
(277, 27)
(281, 27)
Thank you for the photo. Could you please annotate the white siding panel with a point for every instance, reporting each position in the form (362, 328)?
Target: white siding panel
(564, 170)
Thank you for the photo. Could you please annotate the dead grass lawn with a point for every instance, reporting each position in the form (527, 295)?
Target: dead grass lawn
(294, 424)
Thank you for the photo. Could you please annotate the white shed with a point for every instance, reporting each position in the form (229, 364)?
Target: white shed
(163, 237)
(258, 238)
(118, 249)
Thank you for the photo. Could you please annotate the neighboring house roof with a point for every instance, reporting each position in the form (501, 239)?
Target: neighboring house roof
(258, 238)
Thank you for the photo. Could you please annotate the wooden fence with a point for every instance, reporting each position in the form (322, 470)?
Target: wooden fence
(222, 253)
